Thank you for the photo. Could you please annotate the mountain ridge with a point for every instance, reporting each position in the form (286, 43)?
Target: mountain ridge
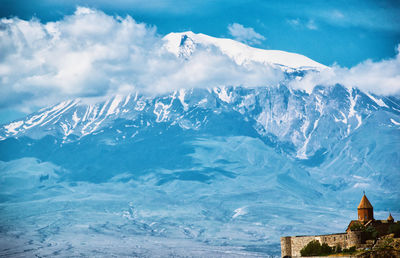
(227, 166)
(131, 104)
(218, 168)
(184, 44)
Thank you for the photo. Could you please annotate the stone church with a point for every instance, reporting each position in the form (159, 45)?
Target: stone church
(291, 245)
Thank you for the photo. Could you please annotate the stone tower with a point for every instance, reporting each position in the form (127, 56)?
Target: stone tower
(390, 218)
(365, 210)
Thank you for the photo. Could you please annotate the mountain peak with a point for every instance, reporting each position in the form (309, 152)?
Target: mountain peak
(183, 44)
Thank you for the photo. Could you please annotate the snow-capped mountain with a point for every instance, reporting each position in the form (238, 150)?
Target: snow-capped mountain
(227, 166)
(207, 172)
(283, 115)
(185, 43)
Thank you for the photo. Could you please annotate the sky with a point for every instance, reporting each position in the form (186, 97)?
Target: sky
(342, 31)
(52, 50)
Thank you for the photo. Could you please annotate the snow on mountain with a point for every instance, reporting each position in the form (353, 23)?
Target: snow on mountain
(221, 171)
(204, 168)
(185, 43)
(312, 129)
(289, 116)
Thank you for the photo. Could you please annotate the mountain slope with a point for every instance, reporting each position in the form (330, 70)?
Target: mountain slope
(219, 171)
(304, 122)
(184, 44)
(214, 167)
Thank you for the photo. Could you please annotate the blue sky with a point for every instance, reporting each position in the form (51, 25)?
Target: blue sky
(40, 68)
(345, 32)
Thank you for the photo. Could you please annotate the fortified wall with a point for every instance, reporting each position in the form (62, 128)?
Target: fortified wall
(291, 245)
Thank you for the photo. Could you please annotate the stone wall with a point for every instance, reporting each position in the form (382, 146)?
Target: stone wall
(344, 256)
(335, 239)
(298, 242)
(286, 247)
(291, 246)
(355, 238)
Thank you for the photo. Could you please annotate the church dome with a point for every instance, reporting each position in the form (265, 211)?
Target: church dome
(364, 204)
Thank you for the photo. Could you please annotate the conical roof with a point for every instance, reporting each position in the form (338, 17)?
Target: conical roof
(365, 204)
(390, 218)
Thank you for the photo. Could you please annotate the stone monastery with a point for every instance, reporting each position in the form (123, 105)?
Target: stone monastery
(291, 245)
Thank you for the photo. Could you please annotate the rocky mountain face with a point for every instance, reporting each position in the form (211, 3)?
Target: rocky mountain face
(221, 171)
(296, 123)
(216, 161)
(185, 44)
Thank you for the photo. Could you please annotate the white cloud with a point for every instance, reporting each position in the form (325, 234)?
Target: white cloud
(88, 53)
(372, 15)
(337, 14)
(294, 22)
(91, 54)
(381, 77)
(245, 35)
(310, 24)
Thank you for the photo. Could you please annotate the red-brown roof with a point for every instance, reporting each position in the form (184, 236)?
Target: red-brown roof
(365, 204)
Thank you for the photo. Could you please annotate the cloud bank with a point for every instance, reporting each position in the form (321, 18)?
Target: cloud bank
(245, 35)
(91, 54)
(298, 23)
(382, 78)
